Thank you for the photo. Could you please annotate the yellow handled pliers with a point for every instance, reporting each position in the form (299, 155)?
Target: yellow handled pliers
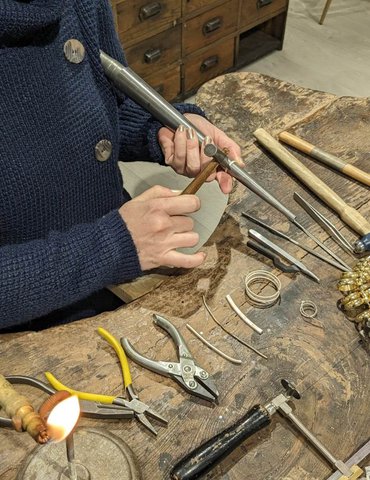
(139, 408)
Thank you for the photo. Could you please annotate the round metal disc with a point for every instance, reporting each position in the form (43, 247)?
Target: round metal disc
(98, 454)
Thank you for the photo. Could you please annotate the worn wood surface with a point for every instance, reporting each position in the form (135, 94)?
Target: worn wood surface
(329, 365)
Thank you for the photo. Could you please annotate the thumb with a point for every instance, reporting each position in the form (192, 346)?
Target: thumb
(157, 192)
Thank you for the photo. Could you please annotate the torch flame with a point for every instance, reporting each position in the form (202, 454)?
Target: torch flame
(63, 418)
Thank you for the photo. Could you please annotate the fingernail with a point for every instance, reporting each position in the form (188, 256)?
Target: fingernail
(176, 191)
(207, 140)
(181, 128)
(190, 133)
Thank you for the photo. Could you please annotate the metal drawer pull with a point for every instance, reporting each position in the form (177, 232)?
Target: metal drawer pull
(209, 63)
(151, 56)
(263, 3)
(212, 25)
(150, 10)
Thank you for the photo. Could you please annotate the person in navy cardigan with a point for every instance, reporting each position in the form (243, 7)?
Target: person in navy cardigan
(68, 229)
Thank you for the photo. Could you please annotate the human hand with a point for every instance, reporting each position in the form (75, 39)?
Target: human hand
(158, 225)
(181, 150)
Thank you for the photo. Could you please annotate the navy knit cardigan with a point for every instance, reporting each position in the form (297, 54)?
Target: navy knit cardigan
(61, 236)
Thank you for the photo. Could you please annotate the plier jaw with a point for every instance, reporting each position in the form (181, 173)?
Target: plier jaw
(186, 372)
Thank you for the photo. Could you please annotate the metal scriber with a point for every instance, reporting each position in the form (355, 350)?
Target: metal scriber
(279, 251)
(299, 244)
(324, 223)
(186, 372)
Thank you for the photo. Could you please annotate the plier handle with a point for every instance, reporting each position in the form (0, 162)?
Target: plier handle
(134, 404)
(88, 408)
(186, 372)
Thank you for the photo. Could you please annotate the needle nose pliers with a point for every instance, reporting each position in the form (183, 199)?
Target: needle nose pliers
(88, 408)
(139, 408)
(186, 372)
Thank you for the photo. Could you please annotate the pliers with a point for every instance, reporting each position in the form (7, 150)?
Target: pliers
(139, 408)
(186, 372)
(88, 409)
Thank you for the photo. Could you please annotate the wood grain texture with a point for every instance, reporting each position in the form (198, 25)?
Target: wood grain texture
(328, 365)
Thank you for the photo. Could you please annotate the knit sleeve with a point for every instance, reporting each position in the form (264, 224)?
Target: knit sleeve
(40, 276)
(138, 129)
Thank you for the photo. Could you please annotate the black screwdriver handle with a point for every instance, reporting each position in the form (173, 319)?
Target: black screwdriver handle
(201, 460)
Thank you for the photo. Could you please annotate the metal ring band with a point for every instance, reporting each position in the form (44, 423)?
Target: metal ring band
(308, 309)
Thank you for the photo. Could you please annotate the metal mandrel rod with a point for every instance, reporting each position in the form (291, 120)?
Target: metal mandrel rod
(132, 85)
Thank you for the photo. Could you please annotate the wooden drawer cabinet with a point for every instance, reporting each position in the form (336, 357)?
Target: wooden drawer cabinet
(156, 53)
(189, 6)
(167, 83)
(139, 19)
(210, 26)
(254, 10)
(212, 62)
(176, 45)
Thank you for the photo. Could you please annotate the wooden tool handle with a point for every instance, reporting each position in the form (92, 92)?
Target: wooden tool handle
(357, 174)
(296, 142)
(201, 460)
(198, 181)
(325, 157)
(349, 215)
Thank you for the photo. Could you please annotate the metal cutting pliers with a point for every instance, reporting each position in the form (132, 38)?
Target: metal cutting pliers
(139, 408)
(186, 372)
(88, 408)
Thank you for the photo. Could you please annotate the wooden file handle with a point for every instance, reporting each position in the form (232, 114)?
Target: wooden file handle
(205, 457)
(326, 158)
(198, 181)
(349, 215)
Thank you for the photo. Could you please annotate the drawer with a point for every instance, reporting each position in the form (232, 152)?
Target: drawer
(138, 19)
(210, 26)
(254, 10)
(167, 83)
(190, 6)
(212, 62)
(156, 53)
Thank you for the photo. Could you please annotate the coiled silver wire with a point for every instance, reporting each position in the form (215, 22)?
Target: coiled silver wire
(262, 276)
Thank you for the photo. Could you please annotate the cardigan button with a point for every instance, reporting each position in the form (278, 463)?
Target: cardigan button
(74, 51)
(103, 150)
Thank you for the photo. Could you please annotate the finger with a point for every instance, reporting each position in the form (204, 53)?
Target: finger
(225, 181)
(184, 240)
(165, 139)
(192, 159)
(179, 205)
(156, 192)
(182, 260)
(182, 224)
(180, 144)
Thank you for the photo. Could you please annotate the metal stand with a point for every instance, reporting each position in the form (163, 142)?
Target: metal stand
(99, 455)
(325, 11)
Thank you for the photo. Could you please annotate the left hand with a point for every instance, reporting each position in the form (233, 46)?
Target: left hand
(182, 152)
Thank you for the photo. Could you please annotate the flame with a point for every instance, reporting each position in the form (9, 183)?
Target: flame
(63, 418)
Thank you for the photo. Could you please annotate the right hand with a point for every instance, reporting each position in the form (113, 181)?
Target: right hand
(158, 225)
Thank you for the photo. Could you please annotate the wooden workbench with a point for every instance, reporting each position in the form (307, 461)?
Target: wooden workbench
(329, 365)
